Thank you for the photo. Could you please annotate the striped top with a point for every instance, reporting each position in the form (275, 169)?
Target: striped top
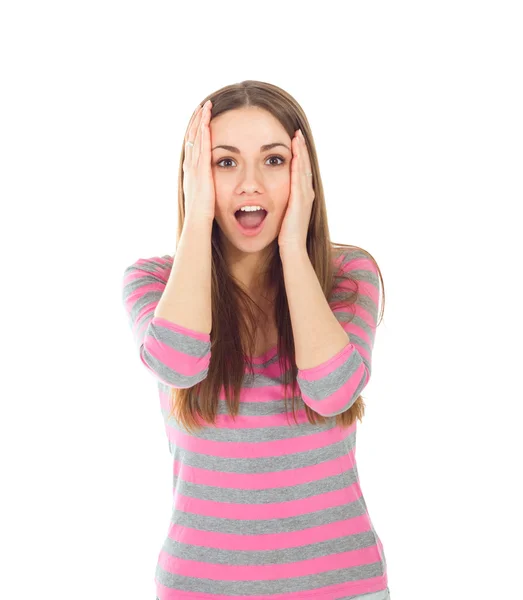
(263, 508)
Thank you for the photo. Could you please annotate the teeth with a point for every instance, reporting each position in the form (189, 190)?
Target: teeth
(251, 208)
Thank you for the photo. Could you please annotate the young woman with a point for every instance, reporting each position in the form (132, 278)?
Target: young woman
(259, 333)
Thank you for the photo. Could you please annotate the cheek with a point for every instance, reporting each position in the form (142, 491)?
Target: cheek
(279, 186)
(280, 193)
(224, 189)
(220, 205)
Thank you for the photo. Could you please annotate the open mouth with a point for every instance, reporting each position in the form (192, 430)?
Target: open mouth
(250, 222)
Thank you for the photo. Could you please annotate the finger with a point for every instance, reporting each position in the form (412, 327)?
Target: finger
(194, 125)
(296, 154)
(193, 117)
(204, 136)
(189, 137)
(306, 162)
(189, 150)
(198, 134)
(205, 153)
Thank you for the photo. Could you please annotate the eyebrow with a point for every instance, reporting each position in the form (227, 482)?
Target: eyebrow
(263, 148)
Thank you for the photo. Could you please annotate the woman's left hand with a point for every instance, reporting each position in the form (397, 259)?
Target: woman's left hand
(295, 223)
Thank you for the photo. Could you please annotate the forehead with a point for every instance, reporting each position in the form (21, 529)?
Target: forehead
(247, 126)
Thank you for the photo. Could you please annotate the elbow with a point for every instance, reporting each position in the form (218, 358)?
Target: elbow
(178, 378)
(341, 399)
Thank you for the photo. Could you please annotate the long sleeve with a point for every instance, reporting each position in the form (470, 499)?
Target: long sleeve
(332, 387)
(175, 355)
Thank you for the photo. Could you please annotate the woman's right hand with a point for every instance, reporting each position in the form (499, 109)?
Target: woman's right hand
(198, 182)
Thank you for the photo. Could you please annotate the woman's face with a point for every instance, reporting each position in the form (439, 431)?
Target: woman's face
(249, 175)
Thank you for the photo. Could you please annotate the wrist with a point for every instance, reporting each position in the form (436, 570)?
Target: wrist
(292, 249)
(197, 221)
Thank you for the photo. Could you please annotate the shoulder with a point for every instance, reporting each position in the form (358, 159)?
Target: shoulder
(348, 257)
(155, 266)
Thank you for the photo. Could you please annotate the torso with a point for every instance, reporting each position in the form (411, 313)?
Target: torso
(266, 338)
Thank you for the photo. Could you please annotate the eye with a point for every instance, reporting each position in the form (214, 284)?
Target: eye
(283, 161)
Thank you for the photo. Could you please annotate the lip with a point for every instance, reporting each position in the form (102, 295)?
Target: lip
(250, 232)
(252, 203)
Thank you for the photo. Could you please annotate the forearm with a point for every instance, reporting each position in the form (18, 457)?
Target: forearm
(186, 300)
(318, 336)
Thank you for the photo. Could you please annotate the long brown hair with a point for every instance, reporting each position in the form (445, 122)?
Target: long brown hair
(234, 314)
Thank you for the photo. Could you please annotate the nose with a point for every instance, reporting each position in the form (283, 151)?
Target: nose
(250, 181)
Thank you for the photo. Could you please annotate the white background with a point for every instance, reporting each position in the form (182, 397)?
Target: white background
(416, 112)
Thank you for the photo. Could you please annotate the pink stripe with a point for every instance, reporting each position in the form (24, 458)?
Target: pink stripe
(352, 328)
(259, 481)
(175, 360)
(274, 510)
(342, 398)
(268, 541)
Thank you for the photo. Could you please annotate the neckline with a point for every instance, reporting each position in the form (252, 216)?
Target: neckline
(265, 356)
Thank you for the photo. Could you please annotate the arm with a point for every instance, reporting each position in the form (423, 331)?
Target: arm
(186, 300)
(333, 355)
(169, 309)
